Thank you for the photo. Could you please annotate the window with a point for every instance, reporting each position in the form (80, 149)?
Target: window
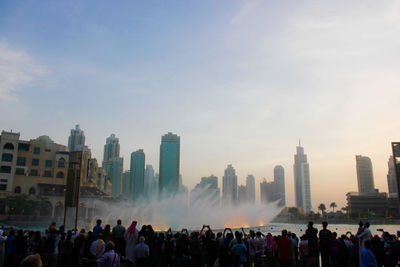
(34, 173)
(35, 162)
(8, 146)
(47, 150)
(21, 161)
(7, 157)
(36, 150)
(32, 191)
(5, 169)
(61, 163)
(49, 163)
(20, 171)
(47, 174)
(17, 190)
(60, 175)
(4, 180)
(23, 147)
(3, 187)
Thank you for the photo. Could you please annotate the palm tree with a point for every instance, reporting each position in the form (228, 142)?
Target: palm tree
(333, 205)
(322, 208)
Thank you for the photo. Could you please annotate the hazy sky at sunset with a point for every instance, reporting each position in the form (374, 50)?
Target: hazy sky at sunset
(240, 81)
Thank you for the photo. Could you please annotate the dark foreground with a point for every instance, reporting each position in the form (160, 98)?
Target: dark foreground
(120, 246)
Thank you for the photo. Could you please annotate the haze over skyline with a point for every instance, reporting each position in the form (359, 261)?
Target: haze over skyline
(239, 81)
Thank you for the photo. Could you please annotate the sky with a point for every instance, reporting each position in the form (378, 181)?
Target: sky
(240, 81)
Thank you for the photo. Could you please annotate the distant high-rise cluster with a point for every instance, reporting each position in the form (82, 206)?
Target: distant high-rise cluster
(275, 190)
(302, 185)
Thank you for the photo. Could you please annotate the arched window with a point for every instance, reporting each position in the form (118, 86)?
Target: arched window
(61, 163)
(9, 146)
(60, 175)
(7, 157)
(32, 191)
(17, 190)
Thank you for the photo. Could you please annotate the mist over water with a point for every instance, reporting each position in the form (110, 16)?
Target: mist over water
(176, 213)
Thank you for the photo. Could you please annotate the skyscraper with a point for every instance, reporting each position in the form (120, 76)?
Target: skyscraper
(113, 164)
(169, 164)
(391, 177)
(150, 184)
(251, 189)
(76, 141)
(207, 192)
(279, 179)
(137, 174)
(229, 186)
(111, 148)
(365, 176)
(302, 180)
(268, 191)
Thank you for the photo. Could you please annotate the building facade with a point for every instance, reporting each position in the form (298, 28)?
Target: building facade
(113, 164)
(302, 186)
(229, 186)
(365, 176)
(76, 140)
(137, 174)
(169, 164)
(251, 188)
(9, 152)
(279, 179)
(391, 178)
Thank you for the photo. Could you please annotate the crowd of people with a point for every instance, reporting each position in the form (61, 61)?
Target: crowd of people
(120, 246)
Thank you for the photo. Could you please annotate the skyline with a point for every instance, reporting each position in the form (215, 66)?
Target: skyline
(240, 181)
(240, 82)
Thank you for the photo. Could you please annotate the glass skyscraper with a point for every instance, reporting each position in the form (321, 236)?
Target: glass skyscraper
(137, 174)
(76, 141)
(169, 164)
(302, 186)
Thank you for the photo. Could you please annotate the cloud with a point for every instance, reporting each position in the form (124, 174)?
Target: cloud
(17, 69)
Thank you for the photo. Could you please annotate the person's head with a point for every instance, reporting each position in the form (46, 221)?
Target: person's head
(150, 229)
(219, 234)
(258, 234)
(334, 235)
(12, 232)
(107, 228)
(98, 222)
(99, 236)
(324, 225)
(110, 246)
(119, 222)
(239, 239)
(252, 234)
(360, 223)
(141, 239)
(367, 244)
(367, 225)
(310, 224)
(32, 261)
(20, 232)
(284, 232)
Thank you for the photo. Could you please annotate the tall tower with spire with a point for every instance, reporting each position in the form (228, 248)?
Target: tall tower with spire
(302, 186)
